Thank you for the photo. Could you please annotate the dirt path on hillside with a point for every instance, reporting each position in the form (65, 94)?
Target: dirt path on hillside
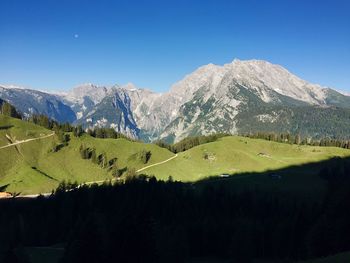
(28, 140)
(155, 164)
(87, 183)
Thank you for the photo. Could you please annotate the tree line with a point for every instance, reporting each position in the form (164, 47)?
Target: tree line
(297, 139)
(101, 160)
(106, 133)
(190, 142)
(8, 110)
(183, 145)
(42, 120)
(145, 220)
(112, 165)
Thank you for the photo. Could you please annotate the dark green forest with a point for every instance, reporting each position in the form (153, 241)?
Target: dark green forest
(145, 220)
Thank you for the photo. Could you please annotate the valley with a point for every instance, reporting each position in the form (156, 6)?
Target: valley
(29, 166)
(174, 131)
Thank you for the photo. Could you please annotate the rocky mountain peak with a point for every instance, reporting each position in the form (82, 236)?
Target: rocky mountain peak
(130, 86)
(213, 98)
(94, 92)
(260, 76)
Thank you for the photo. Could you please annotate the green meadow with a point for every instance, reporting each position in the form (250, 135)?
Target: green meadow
(32, 167)
(237, 155)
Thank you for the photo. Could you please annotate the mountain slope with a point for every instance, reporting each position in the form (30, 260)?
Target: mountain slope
(237, 155)
(29, 102)
(32, 167)
(227, 98)
(114, 110)
(237, 97)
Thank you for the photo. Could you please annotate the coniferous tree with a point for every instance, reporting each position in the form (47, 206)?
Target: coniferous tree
(78, 131)
(145, 156)
(8, 110)
(102, 160)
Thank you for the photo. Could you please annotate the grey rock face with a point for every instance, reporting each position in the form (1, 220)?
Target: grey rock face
(36, 102)
(236, 97)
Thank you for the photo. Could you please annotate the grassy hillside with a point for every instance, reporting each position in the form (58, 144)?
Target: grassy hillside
(236, 155)
(18, 130)
(32, 168)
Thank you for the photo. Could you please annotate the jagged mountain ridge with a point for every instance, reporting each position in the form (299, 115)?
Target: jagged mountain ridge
(214, 98)
(113, 111)
(29, 102)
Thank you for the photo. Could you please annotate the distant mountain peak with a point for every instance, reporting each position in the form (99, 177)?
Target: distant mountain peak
(130, 86)
(94, 92)
(236, 96)
(11, 86)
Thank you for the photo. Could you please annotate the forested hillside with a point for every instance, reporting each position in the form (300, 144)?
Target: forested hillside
(40, 159)
(208, 220)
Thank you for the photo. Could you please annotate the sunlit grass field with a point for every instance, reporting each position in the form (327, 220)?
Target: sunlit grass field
(236, 155)
(32, 167)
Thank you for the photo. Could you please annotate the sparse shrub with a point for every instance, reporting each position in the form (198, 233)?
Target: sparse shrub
(56, 147)
(205, 156)
(112, 163)
(63, 137)
(145, 156)
(85, 152)
(102, 160)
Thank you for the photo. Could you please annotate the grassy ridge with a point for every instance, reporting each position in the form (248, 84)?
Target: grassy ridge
(234, 154)
(19, 130)
(32, 168)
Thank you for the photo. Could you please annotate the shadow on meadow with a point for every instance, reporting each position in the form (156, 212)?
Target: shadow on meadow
(286, 215)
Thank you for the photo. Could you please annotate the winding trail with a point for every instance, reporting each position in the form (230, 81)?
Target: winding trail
(155, 164)
(28, 140)
(92, 182)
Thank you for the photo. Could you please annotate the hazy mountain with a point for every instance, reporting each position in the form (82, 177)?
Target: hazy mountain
(241, 96)
(119, 107)
(29, 102)
(114, 111)
(83, 98)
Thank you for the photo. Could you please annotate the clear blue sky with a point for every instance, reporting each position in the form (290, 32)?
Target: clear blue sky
(58, 44)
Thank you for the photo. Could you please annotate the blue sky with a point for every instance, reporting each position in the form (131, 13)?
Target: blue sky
(58, 44)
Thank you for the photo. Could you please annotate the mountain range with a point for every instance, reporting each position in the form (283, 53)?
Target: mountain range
(238, 97)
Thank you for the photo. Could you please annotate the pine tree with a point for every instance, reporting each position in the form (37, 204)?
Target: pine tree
(8, 110)
(102, 160)
(78, 131)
